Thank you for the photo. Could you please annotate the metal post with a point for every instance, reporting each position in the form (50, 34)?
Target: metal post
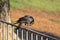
(27, 35)
(36, 37)
(12, 32)
(7, 32)
(2, 25)
(47, 38)
(22, 34)
(42, 38)
(17, 35)
(31, 36)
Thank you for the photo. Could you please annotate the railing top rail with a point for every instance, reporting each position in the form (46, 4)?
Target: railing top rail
(28, 29)
(8, 23)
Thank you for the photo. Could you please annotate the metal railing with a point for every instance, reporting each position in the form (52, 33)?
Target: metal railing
(24, 33)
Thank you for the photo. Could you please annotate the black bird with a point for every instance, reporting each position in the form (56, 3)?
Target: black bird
(27, 20)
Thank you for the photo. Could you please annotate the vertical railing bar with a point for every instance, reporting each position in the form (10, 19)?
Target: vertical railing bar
(12, 32)
(17, 35)
(7, 32)
(36, 37)
(31, 36)
(47, 38)
(26, 35)
(1, 28)
(42, 38)
(2, 25)
(22, 34)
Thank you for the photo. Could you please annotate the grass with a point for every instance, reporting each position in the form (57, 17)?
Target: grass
(47, 5)
(55, 20)
(50, 6)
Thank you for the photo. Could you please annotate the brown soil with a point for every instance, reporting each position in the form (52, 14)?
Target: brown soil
(42, 22)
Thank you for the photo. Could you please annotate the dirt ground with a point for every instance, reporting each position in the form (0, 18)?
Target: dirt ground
(42, 22)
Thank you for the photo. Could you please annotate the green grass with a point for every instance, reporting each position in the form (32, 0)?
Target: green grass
(47, 5)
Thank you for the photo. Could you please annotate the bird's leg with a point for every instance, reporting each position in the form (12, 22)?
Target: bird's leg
(28, 24)
(18, 26)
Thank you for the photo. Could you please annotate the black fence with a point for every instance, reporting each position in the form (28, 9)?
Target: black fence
(23, 33)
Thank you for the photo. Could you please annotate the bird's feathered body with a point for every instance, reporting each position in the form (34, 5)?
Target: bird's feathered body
(28, 20)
